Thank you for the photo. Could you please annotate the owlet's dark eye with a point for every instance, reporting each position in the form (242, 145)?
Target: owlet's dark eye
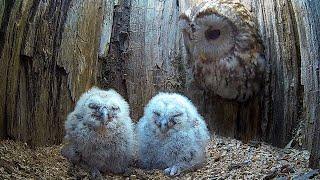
(212, 34)
(177, 115)
(172, 122)
(114, 108)
(93, 106)
(156, 113)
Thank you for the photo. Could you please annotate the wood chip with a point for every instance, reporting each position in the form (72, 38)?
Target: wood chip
(226, 159)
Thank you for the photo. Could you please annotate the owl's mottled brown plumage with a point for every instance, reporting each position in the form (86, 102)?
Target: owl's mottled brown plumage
(225, 47)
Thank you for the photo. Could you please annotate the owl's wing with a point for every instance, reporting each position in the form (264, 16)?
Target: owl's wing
(70, 152)
(201, 131)
(70, 125)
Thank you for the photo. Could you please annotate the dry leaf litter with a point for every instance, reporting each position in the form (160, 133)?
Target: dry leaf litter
(226, 159)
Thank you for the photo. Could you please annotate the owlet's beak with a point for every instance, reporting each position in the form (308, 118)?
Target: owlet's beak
(163, 128)
(163, 125)
(104, 114)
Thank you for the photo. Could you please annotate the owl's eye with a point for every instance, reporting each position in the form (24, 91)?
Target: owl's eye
(172, 122)
(193, 29)
(114, 108)
(212, 34)
(157, 122)
(177, 115)
(93, 106)
(156, 113)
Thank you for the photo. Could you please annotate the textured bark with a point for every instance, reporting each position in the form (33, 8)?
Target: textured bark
(315, 150)
(113, 69)
(48, 58)
(282, 93)
(308, 25)
(154, 54)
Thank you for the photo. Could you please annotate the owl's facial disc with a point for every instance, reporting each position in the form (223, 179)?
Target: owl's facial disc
(95, 109)
(93, 106)
(113, 110)
(104, 113)
(212, 34)
(157, 119)
(166, 121)
(213, 38)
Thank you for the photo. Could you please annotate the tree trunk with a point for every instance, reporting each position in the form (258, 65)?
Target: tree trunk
(48, 58)
(308, 25)
(315, 149)
(53, 51)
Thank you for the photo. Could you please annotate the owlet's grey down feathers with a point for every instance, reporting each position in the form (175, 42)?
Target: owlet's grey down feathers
(99, 133)
(225, 48)
(171, 135)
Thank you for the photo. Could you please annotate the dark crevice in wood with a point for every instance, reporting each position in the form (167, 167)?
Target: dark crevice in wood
(300, 89)
(268, 109)
(126, 27)
(19, 15)
(239, 123)
(59, 100)
(248, 121)
(33, 10)
(17, 109)
(59, 11)
(62, 17)
(5, 126)
(26, 65)
(5, 21)
(113, 67)
(51, 11)
(284, 105)
(5, 133)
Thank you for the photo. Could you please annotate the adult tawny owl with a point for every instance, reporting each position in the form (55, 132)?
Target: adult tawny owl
(226, 51)
(171, 135)
(100, 133)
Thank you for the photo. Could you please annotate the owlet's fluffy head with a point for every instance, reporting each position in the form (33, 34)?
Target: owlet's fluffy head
(223, 42)
(172, 112)
(99, 107)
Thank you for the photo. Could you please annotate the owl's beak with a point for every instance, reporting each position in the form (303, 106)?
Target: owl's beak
(104, 113)
(164, 127)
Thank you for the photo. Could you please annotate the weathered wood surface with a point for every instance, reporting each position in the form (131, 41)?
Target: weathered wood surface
(58, 49)
(48, 58)
(283, 92)
(308, 24)
(113, 64)
(153, 48)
